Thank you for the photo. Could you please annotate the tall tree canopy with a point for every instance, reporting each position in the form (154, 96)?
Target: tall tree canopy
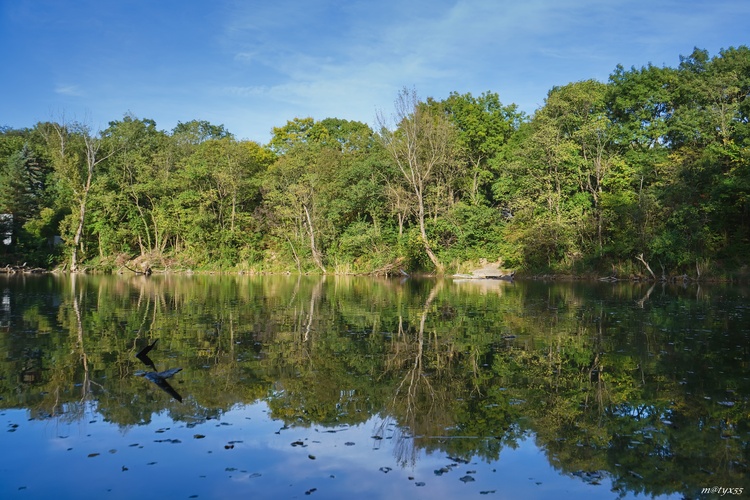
(650, 166)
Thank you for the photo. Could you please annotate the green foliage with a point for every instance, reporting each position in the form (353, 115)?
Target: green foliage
(23, 195)
(484, 126)
(469, 232)
(195, 132)
(411, 246)
(652, 164)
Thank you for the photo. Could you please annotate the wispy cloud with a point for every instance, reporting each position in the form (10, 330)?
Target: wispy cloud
(367, 52)
(254, 65)
(69, 90)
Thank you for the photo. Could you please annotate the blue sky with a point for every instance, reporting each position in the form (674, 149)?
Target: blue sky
(252, 65)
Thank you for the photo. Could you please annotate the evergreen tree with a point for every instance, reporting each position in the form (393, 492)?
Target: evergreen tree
(21, 184)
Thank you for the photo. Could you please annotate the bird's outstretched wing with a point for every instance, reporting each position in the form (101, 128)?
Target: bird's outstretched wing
(147, 349)
(160, 379)
(169, 373)
(143, 354)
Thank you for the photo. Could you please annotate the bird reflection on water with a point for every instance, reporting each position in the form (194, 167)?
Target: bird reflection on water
(158, 378)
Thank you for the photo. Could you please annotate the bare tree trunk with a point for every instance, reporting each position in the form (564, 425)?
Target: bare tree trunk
(313, 248)
(145, 224)
(77, 237)
(92, 150)
(425, 242)
(475, 182)
(234, 211)
(296, 258)
(640, 257)
(474, 162)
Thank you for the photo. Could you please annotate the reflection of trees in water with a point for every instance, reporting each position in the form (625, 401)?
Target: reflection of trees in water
(410, 352)
(72, 366)
(454, 371)
(80, 348)
(413, 395)
(441, 398)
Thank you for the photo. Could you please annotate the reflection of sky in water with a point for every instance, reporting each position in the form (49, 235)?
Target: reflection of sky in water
(50, 459)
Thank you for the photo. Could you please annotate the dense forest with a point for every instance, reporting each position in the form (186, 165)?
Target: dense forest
(647, 174)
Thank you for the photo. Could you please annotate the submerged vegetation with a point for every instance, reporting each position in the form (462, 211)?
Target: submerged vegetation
(647, 173)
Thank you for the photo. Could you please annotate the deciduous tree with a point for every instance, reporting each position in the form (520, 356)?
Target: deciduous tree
(76, 155)
(420, 141)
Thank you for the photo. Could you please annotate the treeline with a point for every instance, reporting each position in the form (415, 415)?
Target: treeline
(646, 173)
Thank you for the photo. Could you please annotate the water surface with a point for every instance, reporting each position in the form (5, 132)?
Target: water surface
(334, 387)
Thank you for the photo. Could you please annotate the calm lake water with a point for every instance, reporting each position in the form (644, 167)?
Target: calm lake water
(340, 387)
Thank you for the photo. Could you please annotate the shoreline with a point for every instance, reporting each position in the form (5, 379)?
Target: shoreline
(558, 277)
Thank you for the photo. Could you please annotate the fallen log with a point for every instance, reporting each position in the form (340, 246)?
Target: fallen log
(8, 269)
(146, 272)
